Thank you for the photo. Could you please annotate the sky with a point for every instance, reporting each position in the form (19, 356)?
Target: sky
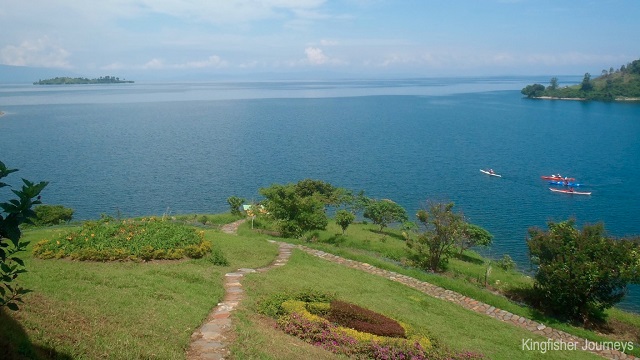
(349, 38)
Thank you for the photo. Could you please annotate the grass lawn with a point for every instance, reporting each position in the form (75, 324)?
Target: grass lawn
(121, 310)
(442, 321)
(137, 310)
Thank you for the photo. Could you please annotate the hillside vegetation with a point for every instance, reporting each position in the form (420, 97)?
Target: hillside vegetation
(621, 84)
(78, 80)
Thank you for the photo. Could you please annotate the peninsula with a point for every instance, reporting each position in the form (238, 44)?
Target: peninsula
(73, 81)
(622, 84)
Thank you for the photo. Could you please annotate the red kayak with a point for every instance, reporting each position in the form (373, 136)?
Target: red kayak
(570, 191)
(557, 178)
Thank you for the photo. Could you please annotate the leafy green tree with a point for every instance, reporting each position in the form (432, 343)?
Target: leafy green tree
(344, 218)
(235, 203)
(474, 235)
(581, 273)
(383, 212)
(14, 213)
(586, 84)
(297, 209)
(52, 215)
(532, 91)
(443, 229)
(323, 191)
(553, 84)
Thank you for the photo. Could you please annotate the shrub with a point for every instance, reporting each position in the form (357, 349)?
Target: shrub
(358, 318)
(299, 321)
(506, 263)
(581, 273)
(217, 257)
(14, 213)
(52, 215)
(108, 239)
(234, 204)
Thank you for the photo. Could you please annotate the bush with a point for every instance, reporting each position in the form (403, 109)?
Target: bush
(52, 215)
(217, 257)
(581, 273)
(358, 318)
(506, 263)
(108, 239)
(14, 213)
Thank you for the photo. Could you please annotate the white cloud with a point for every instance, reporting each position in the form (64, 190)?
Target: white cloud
(212, 61)
(154, 64)
(39, 53)
(315, 56)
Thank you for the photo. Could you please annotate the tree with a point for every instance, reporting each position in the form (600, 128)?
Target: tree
(586, 84)
(323, 191)
(531, 91)
(474, 235)
(298, 208)
(344, 218)
(443, 228)
(235, 203)
(553, 84)
(383, 212)
(14, 213)
(581, 273)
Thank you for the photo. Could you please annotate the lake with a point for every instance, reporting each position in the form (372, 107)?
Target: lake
(145, 149)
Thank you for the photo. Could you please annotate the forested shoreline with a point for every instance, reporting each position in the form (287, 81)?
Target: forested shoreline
(622, 84)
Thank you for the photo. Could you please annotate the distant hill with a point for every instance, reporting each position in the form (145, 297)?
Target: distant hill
(80, 80)
(612, 85)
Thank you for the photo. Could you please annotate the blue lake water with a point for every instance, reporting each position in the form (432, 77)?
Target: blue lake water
(144, 149)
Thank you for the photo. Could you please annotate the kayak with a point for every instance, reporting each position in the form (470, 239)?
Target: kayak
(557, 178)
(565, 184)
(490, 173)
(570, 192)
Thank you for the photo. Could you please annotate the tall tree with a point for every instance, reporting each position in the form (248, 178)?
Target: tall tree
(298, 208)
(586, 84)
(383, 212)
(442, 230)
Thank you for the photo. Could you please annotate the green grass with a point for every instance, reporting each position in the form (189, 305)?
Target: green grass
(364, 243)
(444, 322)
(122, 310)
(148, 310)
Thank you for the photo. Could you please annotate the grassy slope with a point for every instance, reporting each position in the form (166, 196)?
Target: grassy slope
(444, 322)
(138, 310)
(124, 310)
(363, 243)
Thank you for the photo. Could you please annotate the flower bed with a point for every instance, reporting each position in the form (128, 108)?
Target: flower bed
(310, 322)
(108, 239)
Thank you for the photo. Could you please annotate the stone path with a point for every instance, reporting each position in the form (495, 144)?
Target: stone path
(471, 304)
(211, 341)
(232, 228)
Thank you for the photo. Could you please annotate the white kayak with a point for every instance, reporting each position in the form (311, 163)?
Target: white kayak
(490, 173)
(571, 191)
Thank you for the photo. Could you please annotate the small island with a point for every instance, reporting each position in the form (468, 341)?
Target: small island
(75, 81)
(622, 84)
